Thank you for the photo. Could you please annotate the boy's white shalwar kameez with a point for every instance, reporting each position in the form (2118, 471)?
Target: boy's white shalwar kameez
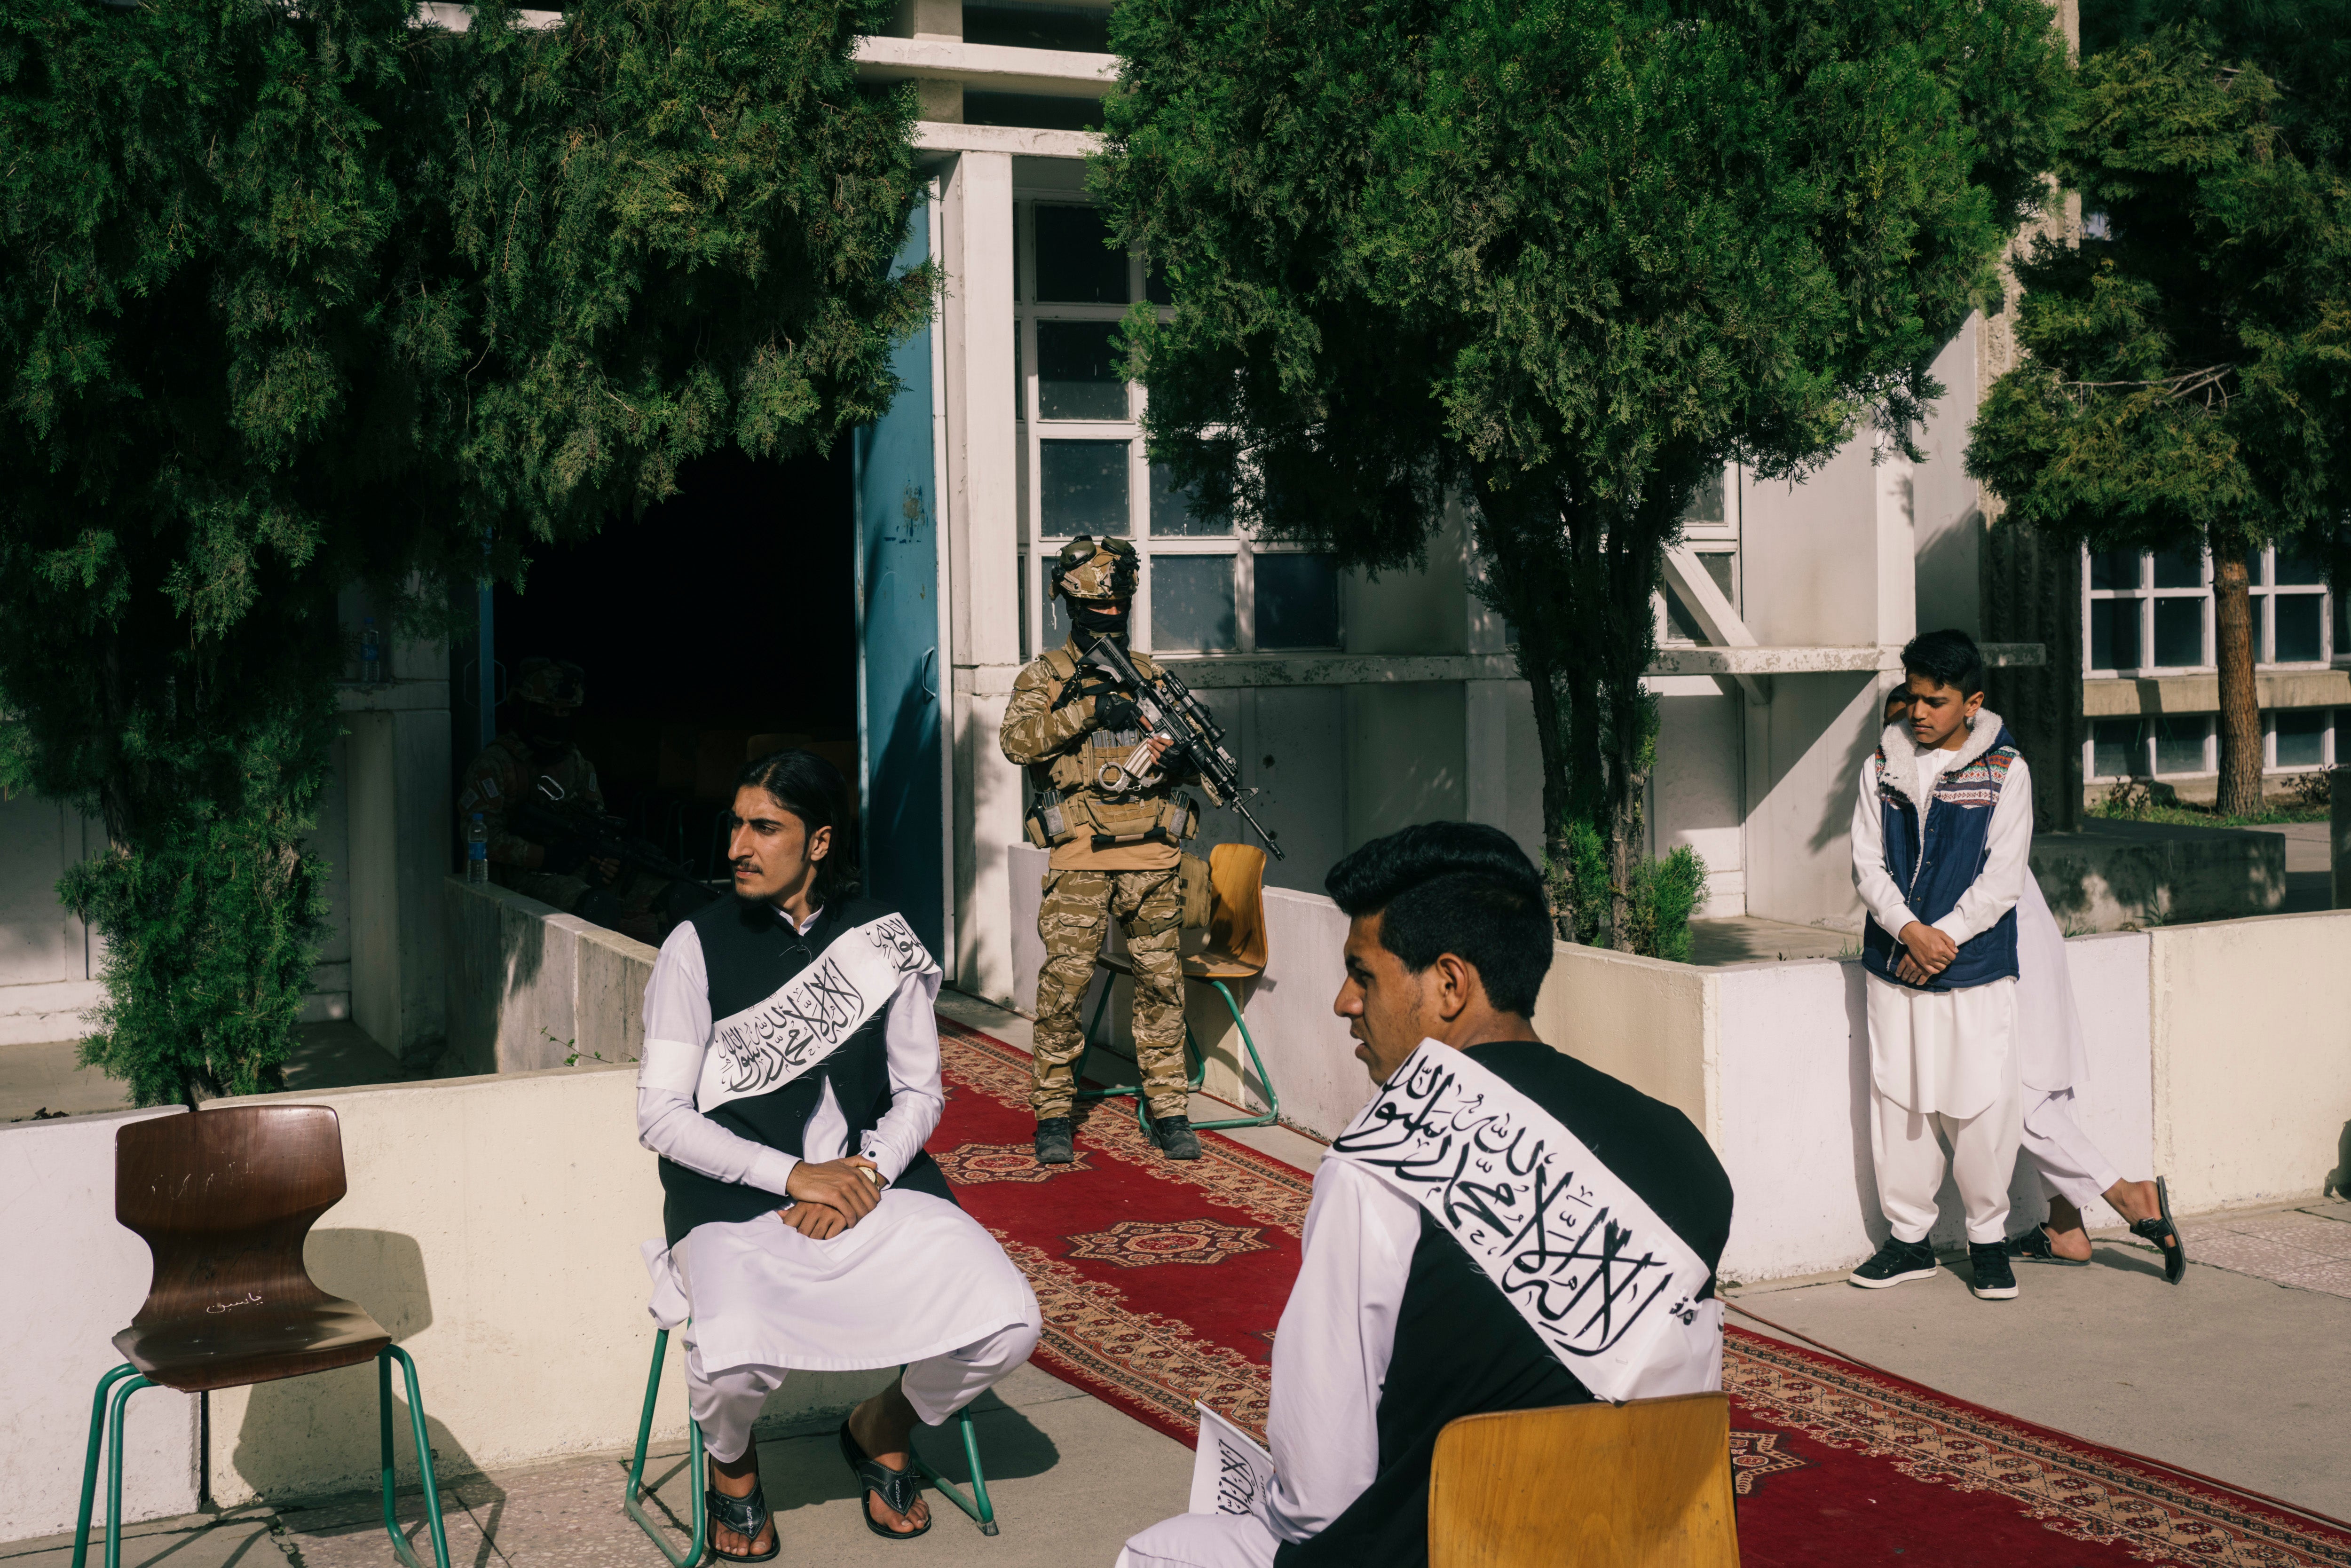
(2054, 1062)
(1944, 1060)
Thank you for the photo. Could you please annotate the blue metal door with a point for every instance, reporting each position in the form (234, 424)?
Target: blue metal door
(901, 632)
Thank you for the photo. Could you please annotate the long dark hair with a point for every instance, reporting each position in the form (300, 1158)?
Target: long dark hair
(813, 789)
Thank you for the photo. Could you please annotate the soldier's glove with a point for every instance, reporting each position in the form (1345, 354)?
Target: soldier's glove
(1115, 712)
(563, 858)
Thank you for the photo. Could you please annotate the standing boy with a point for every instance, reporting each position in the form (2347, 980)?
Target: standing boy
(1941, 833)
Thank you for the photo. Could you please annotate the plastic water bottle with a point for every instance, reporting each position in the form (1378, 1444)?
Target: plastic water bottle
(478, 849)
(371, 655)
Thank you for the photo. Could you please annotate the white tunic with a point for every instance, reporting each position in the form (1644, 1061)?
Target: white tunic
(1943, 1051)
(916, 1277)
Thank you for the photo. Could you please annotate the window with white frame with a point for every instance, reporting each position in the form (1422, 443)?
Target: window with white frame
(2158, 745)
(1206, 586)
(2151, 611)
(1711, 528)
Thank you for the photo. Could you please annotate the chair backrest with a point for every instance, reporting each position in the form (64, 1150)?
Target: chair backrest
(1645, 1484)
(1236, 914)
(224, 1199)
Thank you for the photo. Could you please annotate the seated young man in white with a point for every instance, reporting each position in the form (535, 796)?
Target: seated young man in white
(1502, 1227)
(790, 1076)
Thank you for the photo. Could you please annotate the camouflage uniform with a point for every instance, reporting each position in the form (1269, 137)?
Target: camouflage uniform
(1053, 733)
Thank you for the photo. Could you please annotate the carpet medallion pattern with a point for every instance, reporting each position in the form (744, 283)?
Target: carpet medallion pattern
(1833, 1466)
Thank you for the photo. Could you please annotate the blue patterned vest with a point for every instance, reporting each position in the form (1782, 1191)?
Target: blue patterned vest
(1934, 876)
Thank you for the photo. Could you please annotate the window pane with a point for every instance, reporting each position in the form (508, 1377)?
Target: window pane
(2302, 738)
(1171, 510)
(1704, 503)
(2297, 625)
(2178, 631)
(2115, 749)
(1020, 593)
(2114, 568)
(1074, 262)
(2179, 744)
(1078, 371)
(1680, 621)
(1156, 286)
(2114, 634)
(1719, 566)
(1297, 601)
(2294, 567)
(2179, 569)
(1192, 604)
(1082, 489)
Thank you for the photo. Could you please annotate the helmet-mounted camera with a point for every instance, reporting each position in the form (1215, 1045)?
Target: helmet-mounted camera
(1096, 571)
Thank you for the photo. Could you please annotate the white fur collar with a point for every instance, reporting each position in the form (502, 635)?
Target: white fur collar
(1902, 753)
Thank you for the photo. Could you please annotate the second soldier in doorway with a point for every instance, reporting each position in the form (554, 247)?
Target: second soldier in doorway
(1116, 842)
(534, 765)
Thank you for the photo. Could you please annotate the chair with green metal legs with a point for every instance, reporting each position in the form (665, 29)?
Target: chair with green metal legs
(975, 1502)
(224, 1199)
(1235, 952)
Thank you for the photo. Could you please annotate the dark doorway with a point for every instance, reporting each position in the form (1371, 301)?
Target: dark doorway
(722, 619)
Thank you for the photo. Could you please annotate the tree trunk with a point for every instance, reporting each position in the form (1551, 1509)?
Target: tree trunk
(2241, 712)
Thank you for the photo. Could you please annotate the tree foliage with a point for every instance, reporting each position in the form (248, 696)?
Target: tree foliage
(1564, 258)
(2189, 357)
(296, 296)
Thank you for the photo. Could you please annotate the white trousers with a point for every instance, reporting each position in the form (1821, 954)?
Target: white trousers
(2070, 1165)
(1911, 1162)
(725, 1403)
(1202, 1540)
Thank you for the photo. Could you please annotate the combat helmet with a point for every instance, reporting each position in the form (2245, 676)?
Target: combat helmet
(557, 686)
(1090, 572)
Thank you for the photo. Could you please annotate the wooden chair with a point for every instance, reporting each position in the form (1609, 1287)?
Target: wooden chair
(225, 1199)
(975, 1503)
(1235, 951)
(1646, 1484)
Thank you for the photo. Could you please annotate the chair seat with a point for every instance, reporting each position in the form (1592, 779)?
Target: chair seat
(252, 1342)
(1208, 966)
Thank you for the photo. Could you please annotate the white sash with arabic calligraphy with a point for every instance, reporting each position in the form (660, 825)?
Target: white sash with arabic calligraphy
(1602, 1281)
(769, 1043)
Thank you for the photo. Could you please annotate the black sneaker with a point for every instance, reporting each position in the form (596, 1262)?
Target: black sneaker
(1174, 1137)
(1896, 1261)
(1056, 1141)
(1993, 1279)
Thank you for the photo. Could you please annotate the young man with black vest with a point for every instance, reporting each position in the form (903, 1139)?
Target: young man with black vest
(789, 1079)
(1943, 830)
(1431, 1288)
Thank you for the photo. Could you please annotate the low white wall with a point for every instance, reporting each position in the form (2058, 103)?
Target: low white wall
(2252, 1025)
(530, 986)
(86, 1276)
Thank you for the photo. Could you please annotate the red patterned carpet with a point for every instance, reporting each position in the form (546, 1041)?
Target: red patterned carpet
(1160, 1283)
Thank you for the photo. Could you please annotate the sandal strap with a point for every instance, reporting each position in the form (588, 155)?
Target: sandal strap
(2033, 1243)
(898, 1489)
(2155, 1229)
(746, 1515)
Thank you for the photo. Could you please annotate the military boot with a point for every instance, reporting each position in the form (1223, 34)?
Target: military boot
(1056, 1141)
(1174, 1137)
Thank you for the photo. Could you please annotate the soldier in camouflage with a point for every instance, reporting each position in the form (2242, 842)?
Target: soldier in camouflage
(1115, 826)
(537, 744)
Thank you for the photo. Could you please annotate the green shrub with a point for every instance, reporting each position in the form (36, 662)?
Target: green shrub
(1665, 893)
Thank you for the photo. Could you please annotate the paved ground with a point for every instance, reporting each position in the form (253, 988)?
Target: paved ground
(1751, 939)
(2308, 884)
(37, 1078)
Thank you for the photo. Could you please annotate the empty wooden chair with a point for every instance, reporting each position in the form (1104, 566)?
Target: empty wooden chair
(1235, 951)
(225, 1199)
(1646, 1484)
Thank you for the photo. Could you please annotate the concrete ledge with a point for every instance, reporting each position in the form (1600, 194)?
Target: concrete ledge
(47, 1010)
(530, 986)
(941, 136)
(2117, 874)
(994, 68)
(2114, 698)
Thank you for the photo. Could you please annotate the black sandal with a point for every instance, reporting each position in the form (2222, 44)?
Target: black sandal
(2034, 1246)
(896, 1489)
(746, 1516)
(2175, 1251)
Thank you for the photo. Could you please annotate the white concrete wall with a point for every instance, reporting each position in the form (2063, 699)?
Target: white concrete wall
(1805, 751)
(49, 959)
(1946, 503)
(2252, 1023)
(528, 986)
(1697, 788)
(86, 1277)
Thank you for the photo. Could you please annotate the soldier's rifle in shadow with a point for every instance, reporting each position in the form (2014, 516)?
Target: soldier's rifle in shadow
(550, 817)
(1195, 740)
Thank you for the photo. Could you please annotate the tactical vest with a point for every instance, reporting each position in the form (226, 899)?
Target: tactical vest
(1080, 793)
(749, 952)
(1462, 1349)
(1935, 874)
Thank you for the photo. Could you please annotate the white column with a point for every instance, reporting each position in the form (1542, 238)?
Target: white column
(983, 514)
(396, 761)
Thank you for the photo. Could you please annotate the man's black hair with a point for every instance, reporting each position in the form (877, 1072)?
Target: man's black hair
(1948, 658)
(813, 789)
(1462, 888)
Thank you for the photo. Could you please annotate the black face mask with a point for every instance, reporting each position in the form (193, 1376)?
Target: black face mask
(1087, 615)
(550, 734)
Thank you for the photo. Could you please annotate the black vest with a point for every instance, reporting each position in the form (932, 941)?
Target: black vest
(1462, 1349)
(749, 952)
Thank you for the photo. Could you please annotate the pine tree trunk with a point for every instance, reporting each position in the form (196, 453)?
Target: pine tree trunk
(2241, 712)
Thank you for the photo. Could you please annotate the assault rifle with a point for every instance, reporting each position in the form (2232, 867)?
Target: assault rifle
(548, 817)
(1170, 711)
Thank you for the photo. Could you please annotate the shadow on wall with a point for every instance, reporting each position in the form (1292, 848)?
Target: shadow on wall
(2339, 1180)
(1836, 807)
(307, 1436)
(2115, 875)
